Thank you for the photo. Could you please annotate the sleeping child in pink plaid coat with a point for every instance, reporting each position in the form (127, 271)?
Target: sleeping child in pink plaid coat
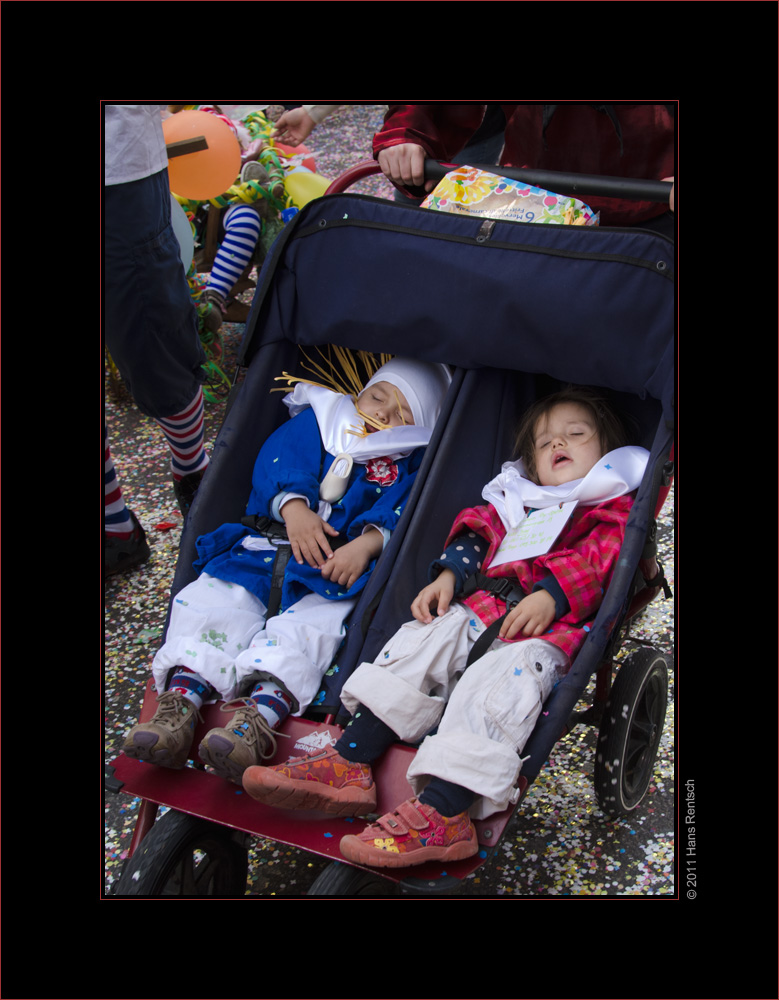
(574, 470)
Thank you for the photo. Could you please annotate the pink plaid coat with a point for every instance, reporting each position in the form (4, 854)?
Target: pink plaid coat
(582, 561)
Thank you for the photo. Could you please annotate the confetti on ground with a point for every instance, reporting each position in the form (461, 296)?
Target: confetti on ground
(558, 844)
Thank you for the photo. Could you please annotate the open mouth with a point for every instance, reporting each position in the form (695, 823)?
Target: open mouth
(559, 459)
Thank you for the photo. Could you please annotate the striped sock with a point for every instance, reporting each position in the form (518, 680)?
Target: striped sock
(243, 226)
(273, 704)
(184, 433)
(192, 686)
(116, 516)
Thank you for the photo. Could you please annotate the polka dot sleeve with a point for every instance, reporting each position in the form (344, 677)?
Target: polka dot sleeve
(463, 556)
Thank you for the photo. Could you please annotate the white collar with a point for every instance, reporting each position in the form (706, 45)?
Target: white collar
(618, 472)
(337, 417)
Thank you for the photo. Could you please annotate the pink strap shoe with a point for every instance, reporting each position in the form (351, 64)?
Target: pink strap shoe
(412, 835)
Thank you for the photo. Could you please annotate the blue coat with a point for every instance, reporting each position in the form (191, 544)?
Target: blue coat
(293, 460)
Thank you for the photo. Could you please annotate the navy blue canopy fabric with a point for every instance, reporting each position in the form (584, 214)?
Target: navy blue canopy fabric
(517, 309)
(584, 304)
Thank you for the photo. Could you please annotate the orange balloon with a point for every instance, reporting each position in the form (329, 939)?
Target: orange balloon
(208, 172)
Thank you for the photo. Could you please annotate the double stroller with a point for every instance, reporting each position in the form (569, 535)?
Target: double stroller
(517, 310)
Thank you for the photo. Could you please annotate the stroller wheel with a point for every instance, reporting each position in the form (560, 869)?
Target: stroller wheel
(630, 732)
(340, 879)
(185, 856)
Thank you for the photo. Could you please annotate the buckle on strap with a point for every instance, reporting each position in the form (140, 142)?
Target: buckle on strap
(501, 586)
(272, 530)
(508, 591)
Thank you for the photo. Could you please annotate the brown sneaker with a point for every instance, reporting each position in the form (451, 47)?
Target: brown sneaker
(247, 739)
(323, 780)
(166, 739)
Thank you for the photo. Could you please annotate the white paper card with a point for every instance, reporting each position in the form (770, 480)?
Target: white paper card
(535, 535)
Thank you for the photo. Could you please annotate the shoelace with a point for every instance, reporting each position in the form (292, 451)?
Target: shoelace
(258, 727)
(170, 708)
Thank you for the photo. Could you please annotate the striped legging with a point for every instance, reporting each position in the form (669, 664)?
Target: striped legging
(184, 433)
(242, 230)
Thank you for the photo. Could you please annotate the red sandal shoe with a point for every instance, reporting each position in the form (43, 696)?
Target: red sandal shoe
(412, 835)
(324, 781)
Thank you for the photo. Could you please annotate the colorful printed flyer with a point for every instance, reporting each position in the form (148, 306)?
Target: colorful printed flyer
(476, 192)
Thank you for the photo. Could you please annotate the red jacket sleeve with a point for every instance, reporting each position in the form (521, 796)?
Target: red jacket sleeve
(441, 129)
(484, 521)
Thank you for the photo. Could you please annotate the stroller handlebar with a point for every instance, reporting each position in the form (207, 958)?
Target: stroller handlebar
(633, 189)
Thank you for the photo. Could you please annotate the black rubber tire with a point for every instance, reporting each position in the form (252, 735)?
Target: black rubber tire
(186, 856)
(340, 879)
(630, 732)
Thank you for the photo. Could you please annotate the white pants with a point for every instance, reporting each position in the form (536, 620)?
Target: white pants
(484, 715)
(219, 630)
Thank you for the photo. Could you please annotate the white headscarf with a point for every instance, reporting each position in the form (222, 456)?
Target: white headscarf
(424, 385)
(618, 472)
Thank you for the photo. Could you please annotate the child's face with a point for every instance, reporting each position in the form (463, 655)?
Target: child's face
(385, 404)
(566, 444)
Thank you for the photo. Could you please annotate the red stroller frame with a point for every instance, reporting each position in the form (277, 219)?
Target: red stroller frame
(213, 819)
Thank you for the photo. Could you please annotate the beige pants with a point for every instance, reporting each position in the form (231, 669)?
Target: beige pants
(484, 715)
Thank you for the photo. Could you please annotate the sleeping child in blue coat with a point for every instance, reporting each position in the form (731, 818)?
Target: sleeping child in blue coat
(332, 481)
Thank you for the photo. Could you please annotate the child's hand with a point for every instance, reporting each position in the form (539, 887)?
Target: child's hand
(440, 592)
(307, 533)
(350, 561)
(532, 616)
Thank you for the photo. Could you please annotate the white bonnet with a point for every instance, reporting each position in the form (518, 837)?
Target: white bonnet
(423, 383)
